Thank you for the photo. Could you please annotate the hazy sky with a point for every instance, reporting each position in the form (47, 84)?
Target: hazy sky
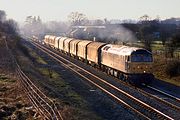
(110, 9)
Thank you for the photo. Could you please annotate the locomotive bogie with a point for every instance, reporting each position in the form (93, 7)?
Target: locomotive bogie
(138, 79)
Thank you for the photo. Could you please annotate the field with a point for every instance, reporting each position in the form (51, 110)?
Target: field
(161, 63)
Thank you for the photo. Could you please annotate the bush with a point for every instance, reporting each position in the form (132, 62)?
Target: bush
(173, 68)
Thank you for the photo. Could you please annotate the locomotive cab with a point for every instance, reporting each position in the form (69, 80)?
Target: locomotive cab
(140, 61)
(139, 65)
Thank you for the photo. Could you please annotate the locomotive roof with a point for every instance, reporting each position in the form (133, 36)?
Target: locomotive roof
(121, 49)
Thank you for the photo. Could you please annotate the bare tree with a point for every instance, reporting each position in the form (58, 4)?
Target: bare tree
(144, 19)
(33, 26)
(77, 18)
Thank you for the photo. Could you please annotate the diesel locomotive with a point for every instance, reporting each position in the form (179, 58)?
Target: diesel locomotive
(130, 64)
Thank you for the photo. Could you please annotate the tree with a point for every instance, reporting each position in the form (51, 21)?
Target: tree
(147, 28)
(8, 26)
(173, 44)
(166, 31)
(77, 18)
(29, 20)
(33, 26)
(2, 16)
(11, 26)
(144, 19)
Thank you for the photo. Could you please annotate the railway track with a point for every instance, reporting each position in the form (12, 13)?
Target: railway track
(43, 105)
(164, 93)
(158, 95)
(164, 97)
(142, 109)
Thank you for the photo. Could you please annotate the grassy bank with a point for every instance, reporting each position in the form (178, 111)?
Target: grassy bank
(52, 83)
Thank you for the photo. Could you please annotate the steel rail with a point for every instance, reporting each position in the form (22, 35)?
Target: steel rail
(106, 91)
(151, 109)
(164, 93)
(55, 110)
(32, 99)
(36, 93)
(30, 92)
(145, 93)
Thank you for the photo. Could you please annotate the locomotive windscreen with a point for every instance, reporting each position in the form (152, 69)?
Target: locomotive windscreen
(141, 56)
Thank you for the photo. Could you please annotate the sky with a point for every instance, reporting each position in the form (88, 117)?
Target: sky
(58, 10)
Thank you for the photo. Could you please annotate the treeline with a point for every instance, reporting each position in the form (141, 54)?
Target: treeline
(155, 30)
(33, 26)
(145, 30)
(9, 30)
(7, 26)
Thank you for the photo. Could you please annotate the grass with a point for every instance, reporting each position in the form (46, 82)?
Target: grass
(36, 56)
(61, 85)
(38, 59)
(4, 78)
(157, 47)
(49, 73)
(55, 79)
(159, 66)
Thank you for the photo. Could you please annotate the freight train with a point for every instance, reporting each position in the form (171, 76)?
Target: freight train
(130, 64)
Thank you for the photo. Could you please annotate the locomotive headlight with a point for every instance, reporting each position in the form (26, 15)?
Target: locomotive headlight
(144, 71)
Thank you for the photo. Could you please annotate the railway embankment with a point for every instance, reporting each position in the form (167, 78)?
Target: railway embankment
(75, 98)
(13, 102)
